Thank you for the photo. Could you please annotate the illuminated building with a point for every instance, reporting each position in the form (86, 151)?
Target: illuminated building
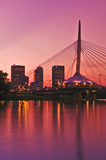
(39, 78)
(78, 80)
(57, 75)
(18, 78)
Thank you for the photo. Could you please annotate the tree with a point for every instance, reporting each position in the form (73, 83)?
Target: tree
(4, 86)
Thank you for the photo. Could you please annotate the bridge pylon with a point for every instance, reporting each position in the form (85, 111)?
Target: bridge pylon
(77, 94)
(78, 49)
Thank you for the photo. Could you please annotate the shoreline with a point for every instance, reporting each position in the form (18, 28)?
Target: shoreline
(15, 97)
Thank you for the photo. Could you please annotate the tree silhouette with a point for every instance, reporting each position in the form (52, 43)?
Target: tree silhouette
(4, 86)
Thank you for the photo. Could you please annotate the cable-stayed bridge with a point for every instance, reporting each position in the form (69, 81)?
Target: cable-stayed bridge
(83, 57)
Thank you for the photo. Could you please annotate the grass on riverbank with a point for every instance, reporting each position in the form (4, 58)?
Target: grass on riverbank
(15, 97)
(26, 96)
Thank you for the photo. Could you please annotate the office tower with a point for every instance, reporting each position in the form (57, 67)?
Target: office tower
(57, 75)
(33, 85)
(39, 77)
(18, 78)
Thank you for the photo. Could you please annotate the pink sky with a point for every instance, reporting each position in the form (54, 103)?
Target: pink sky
(33, 30)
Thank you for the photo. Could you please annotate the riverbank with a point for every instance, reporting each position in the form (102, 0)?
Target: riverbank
(26, 96)
(15, 97)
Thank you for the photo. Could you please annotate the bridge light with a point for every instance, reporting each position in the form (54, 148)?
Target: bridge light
(94, 91)
(91, 84)
(84, 83)
(76, 83)
(59, 83)
(87, 91)
(63, 85)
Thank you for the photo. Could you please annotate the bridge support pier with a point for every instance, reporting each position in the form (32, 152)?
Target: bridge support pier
(91, 96)
(77, 97)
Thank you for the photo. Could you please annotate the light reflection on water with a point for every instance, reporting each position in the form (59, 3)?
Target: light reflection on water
(51, 130)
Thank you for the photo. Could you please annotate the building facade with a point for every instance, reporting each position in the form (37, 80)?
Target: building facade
(57, 75)
(38, 77)
(18, 79)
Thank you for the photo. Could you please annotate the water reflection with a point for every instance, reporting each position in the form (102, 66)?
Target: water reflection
(52, 130)
(79, 142)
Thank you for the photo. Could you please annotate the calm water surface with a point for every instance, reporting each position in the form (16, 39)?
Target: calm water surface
(48, 130)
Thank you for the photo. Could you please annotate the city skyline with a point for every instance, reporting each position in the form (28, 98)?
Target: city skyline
(33, 31)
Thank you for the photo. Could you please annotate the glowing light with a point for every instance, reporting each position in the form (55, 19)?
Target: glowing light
(76, 81)
(87, 91)
(58, 115)
(59, 83)
(87, 107)
(63, 85)
(90, 83)
(2, 103)
(84, 83)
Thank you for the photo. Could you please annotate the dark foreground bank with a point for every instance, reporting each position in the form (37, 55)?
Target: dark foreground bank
(26, 96)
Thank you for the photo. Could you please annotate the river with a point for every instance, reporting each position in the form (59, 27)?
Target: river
(51, 130)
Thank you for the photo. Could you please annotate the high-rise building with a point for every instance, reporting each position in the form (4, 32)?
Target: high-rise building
(18, 78)
(39, 77)
(57, 75)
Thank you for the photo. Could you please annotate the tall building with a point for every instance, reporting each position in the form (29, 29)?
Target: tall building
(18, 78)
(57, 75)
(39, 77)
